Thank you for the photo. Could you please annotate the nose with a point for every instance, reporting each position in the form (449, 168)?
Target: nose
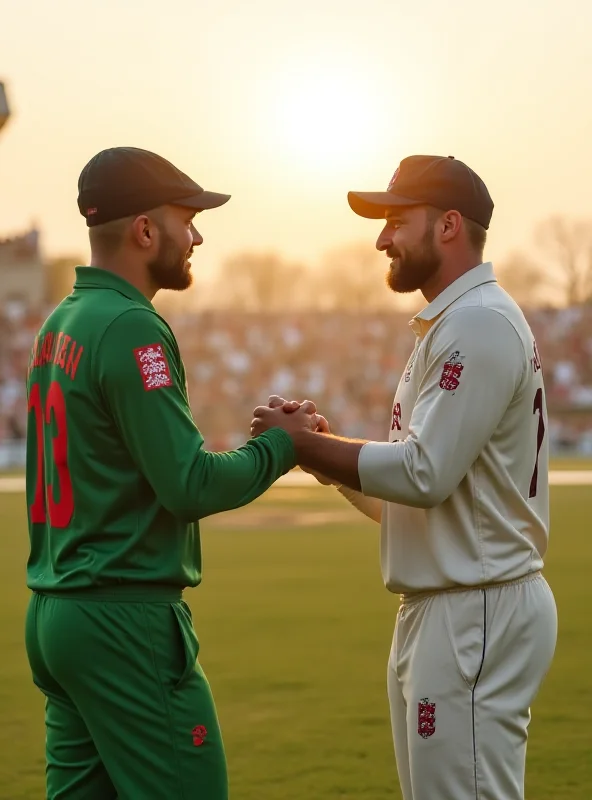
(197, 237)
(385, 239)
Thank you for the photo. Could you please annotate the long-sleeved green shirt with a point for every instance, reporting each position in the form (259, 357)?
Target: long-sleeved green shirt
(117, 475)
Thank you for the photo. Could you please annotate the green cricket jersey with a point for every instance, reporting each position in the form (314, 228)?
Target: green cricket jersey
(117, 475)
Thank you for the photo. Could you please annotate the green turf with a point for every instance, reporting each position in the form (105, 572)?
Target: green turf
(571, 463)
(295, 629)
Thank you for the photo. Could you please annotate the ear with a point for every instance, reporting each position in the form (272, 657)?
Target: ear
(450, 226)
(144, 231)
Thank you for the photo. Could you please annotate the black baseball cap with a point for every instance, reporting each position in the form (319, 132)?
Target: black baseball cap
(122, 181)
(439, 181)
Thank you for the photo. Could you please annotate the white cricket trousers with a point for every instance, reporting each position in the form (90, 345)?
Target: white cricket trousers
(464, 667)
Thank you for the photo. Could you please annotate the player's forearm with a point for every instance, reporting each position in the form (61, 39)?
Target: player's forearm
(380, 470)
(209, 483)
(223, 481)
(398, 472)
(371, 507)
(332, 456)
(405, 473)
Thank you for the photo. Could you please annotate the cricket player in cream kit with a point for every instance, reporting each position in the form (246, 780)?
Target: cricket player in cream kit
(460, 490)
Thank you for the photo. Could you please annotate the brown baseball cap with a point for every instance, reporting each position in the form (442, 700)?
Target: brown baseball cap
(122, 181)
(439, 181)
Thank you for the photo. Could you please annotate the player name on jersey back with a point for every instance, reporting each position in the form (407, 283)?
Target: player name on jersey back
(56, 348)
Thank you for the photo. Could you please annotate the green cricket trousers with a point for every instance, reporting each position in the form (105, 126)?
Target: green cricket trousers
(129, 713)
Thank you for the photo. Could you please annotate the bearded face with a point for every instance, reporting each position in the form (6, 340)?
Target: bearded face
(413, 265)
(170, 268)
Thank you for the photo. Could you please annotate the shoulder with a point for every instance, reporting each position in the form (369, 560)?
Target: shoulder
(133, 323)
(133, 339)
(479, 322)
(490, 304)
(480, 336)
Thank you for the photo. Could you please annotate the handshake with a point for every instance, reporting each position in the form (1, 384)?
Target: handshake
(292, 416)
(295, 418)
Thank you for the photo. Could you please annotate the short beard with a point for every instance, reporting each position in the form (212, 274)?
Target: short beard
(411, 271)
(168, 270)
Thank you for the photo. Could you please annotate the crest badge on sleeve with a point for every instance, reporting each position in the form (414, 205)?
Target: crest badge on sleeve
(451, 372)
(426, 718)
(154, 367)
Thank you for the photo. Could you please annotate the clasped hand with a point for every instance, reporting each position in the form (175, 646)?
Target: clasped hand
(290, 415)
(293, 417)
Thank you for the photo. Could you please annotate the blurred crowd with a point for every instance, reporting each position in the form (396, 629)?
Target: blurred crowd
(348, 363)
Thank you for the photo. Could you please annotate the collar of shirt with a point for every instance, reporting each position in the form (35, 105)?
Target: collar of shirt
(477, 276)
(96, 278)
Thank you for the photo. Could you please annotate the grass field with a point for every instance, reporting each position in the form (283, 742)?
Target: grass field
(295, 628)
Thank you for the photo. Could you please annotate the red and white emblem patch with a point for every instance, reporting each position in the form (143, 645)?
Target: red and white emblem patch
(451, 373)
(426, 718)
(153, 366)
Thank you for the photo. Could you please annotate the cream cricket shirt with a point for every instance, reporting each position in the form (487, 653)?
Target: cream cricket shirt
(465, 471)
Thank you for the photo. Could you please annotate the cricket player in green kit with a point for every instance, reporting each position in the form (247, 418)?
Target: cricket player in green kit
(117, 479)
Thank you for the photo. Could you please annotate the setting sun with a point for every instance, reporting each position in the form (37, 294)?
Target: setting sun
(323, 118)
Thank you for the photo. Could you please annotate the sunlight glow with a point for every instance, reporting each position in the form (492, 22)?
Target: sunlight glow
(323, 119)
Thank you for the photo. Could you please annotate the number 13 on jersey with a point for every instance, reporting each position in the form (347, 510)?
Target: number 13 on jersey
(51, 415)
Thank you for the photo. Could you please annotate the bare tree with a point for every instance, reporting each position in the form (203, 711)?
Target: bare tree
(569, 244)
(169, 302)
(259, 282)
(353, 277)
(526, 280)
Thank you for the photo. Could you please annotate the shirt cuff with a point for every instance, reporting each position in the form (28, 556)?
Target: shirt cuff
(283, 441)
(375, 467)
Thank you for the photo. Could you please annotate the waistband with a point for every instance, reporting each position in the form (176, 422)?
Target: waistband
(120, 592)
(410, 598)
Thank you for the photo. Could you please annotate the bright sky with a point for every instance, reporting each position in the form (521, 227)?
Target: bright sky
(287, 106)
